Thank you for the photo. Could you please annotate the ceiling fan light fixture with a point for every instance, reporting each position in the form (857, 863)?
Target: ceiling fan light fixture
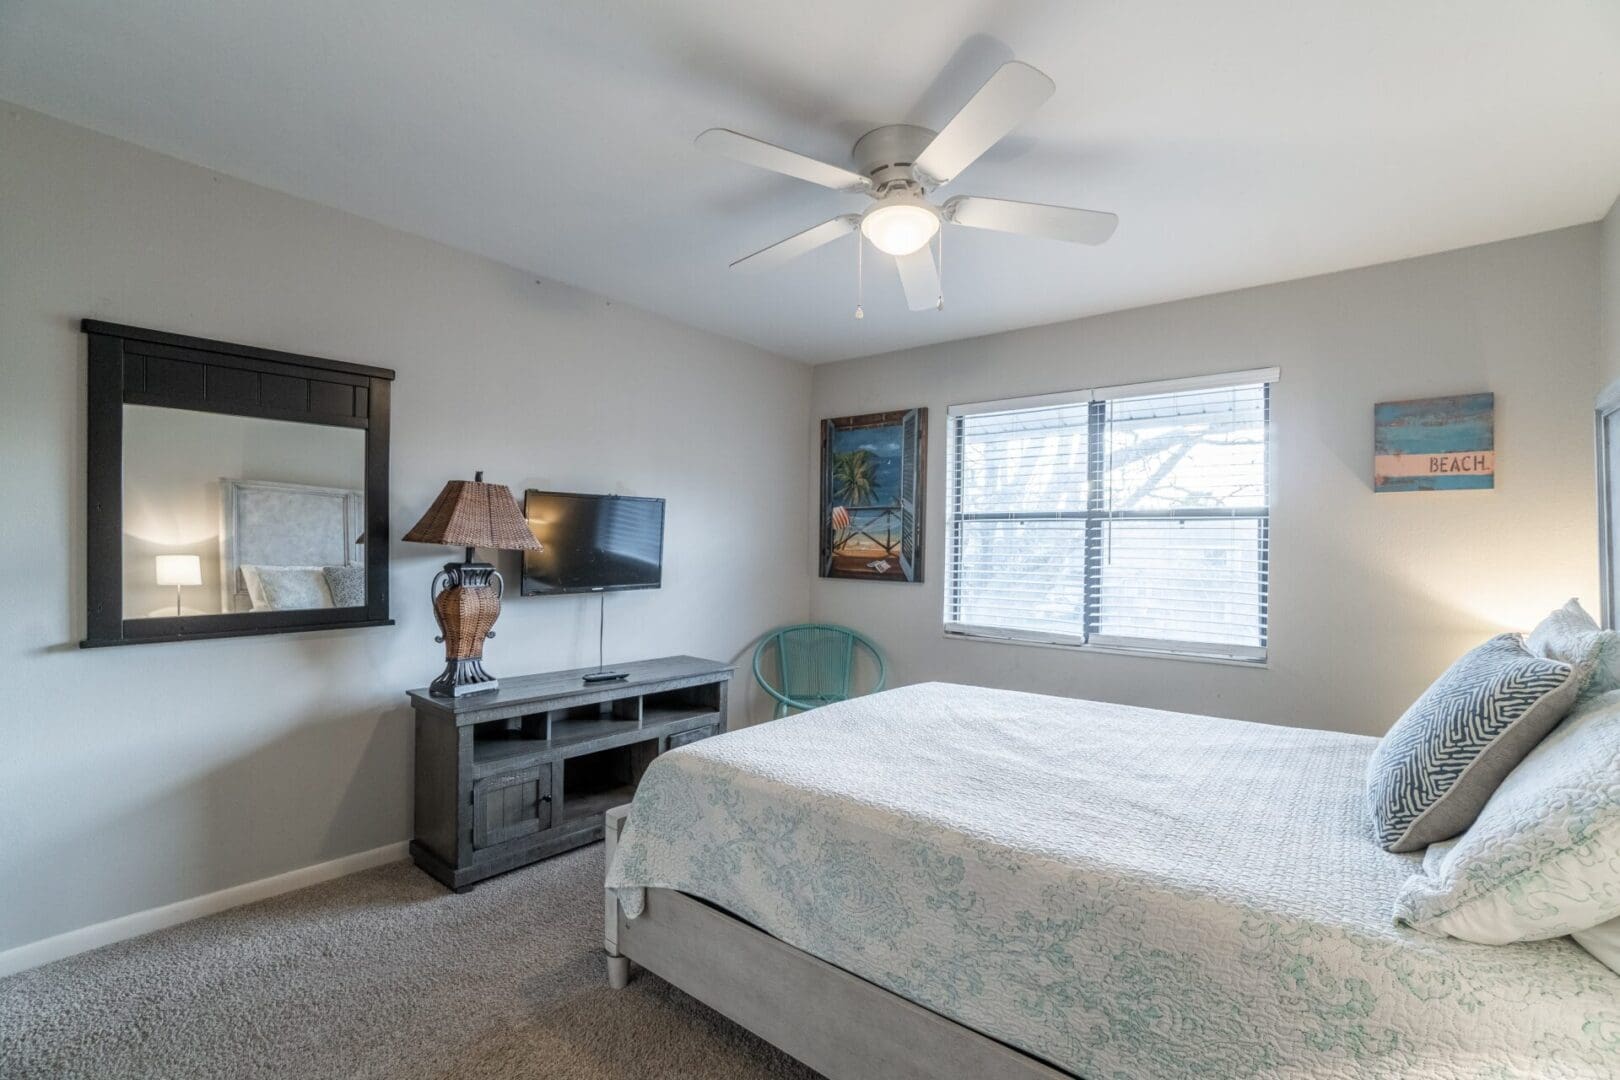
(899, 228)
(899, 166)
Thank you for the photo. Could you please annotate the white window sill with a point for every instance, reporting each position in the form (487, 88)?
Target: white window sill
(994, 638)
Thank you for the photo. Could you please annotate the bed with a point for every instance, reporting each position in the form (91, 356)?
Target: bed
(1072, 888)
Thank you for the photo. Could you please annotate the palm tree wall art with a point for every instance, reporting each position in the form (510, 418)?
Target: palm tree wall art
(872, 480)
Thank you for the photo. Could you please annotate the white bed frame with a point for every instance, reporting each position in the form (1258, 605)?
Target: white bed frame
(843, 1027)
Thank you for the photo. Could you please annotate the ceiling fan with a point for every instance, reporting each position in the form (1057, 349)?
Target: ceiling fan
(899, 165)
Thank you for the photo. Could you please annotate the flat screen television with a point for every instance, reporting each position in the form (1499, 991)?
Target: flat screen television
(592, 543)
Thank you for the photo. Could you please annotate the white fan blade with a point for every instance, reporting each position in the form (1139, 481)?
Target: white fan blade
(1006, 100)
(1031, 219)
(799, 243)
(920, 278)
(764, 155)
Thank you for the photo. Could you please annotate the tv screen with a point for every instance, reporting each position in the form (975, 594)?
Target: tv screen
(590, 543)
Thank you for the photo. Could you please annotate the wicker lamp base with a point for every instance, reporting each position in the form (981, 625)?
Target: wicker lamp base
(466, 603)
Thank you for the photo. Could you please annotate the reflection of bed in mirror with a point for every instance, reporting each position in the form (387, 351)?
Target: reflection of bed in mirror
(283, 546)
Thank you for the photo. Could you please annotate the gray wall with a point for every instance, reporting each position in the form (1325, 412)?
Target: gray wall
(1372, 595)
(1609, 282)
(134, 777)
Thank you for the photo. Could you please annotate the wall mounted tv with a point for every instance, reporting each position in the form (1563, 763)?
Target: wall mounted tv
(592, 543)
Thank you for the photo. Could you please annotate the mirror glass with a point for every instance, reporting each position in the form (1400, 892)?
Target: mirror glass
(231, 514)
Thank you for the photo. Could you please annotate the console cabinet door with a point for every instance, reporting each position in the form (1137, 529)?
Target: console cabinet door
(691, 736)
(511, 805)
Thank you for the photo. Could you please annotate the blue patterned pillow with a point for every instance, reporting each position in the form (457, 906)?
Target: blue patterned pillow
(1432, 774)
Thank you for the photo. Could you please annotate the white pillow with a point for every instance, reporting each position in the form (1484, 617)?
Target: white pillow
(292, 588)
(1603, 942)
(255, 588)
(1543, 858)
(1570, 635)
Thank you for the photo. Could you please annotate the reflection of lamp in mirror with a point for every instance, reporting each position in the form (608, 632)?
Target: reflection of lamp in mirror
(179, 571)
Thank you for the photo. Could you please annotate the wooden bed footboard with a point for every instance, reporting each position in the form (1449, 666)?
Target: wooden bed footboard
(842, 1026)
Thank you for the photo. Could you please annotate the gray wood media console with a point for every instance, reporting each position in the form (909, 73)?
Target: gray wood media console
(518, 774)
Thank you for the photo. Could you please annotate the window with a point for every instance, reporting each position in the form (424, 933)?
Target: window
(1131, 518)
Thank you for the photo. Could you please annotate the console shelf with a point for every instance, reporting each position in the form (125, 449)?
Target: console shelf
(514, 775)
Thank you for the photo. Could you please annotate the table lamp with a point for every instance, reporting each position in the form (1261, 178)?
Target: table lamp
(470, 514)
(179, 571)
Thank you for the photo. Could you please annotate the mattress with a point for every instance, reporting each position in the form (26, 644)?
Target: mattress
(1121, 892)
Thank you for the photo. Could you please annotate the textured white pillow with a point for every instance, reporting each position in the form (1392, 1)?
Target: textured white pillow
(294, 588)
(1543, 858)
(1572, 636)
(255, 588)
(1603, 942)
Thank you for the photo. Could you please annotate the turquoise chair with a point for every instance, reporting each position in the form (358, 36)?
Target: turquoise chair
(814, 665)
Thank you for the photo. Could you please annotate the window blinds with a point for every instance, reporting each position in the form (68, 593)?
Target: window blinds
(1134, 518)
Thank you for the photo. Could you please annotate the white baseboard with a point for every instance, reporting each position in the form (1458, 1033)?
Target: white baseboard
(36, 953)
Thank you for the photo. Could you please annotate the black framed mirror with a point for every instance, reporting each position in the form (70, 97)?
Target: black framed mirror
(232, 490)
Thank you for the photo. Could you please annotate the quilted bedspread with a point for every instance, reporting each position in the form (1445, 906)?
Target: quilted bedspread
(1122, 892)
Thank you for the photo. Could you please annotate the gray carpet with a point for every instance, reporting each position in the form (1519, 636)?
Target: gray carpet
(379, 974)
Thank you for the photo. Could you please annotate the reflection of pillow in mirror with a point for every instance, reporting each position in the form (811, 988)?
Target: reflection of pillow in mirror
(255, 588)
(294, 588)
(348, 585)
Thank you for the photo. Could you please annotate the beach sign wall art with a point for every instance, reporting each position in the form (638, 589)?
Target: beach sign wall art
(1435, 444)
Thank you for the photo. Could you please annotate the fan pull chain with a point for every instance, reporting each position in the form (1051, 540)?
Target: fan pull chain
(939, 274)
(860, 246)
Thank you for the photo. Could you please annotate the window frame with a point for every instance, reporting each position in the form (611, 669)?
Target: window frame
(1095, 516)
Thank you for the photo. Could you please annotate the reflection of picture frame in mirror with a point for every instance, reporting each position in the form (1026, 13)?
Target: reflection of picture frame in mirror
(263, 512)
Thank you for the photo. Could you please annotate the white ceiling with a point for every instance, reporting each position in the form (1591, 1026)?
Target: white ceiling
(1240, 142)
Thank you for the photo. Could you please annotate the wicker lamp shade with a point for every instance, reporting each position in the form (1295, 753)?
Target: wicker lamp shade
(471, 513)
(467, 595)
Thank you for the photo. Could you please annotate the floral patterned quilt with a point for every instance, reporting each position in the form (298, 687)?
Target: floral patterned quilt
(1122, 892)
